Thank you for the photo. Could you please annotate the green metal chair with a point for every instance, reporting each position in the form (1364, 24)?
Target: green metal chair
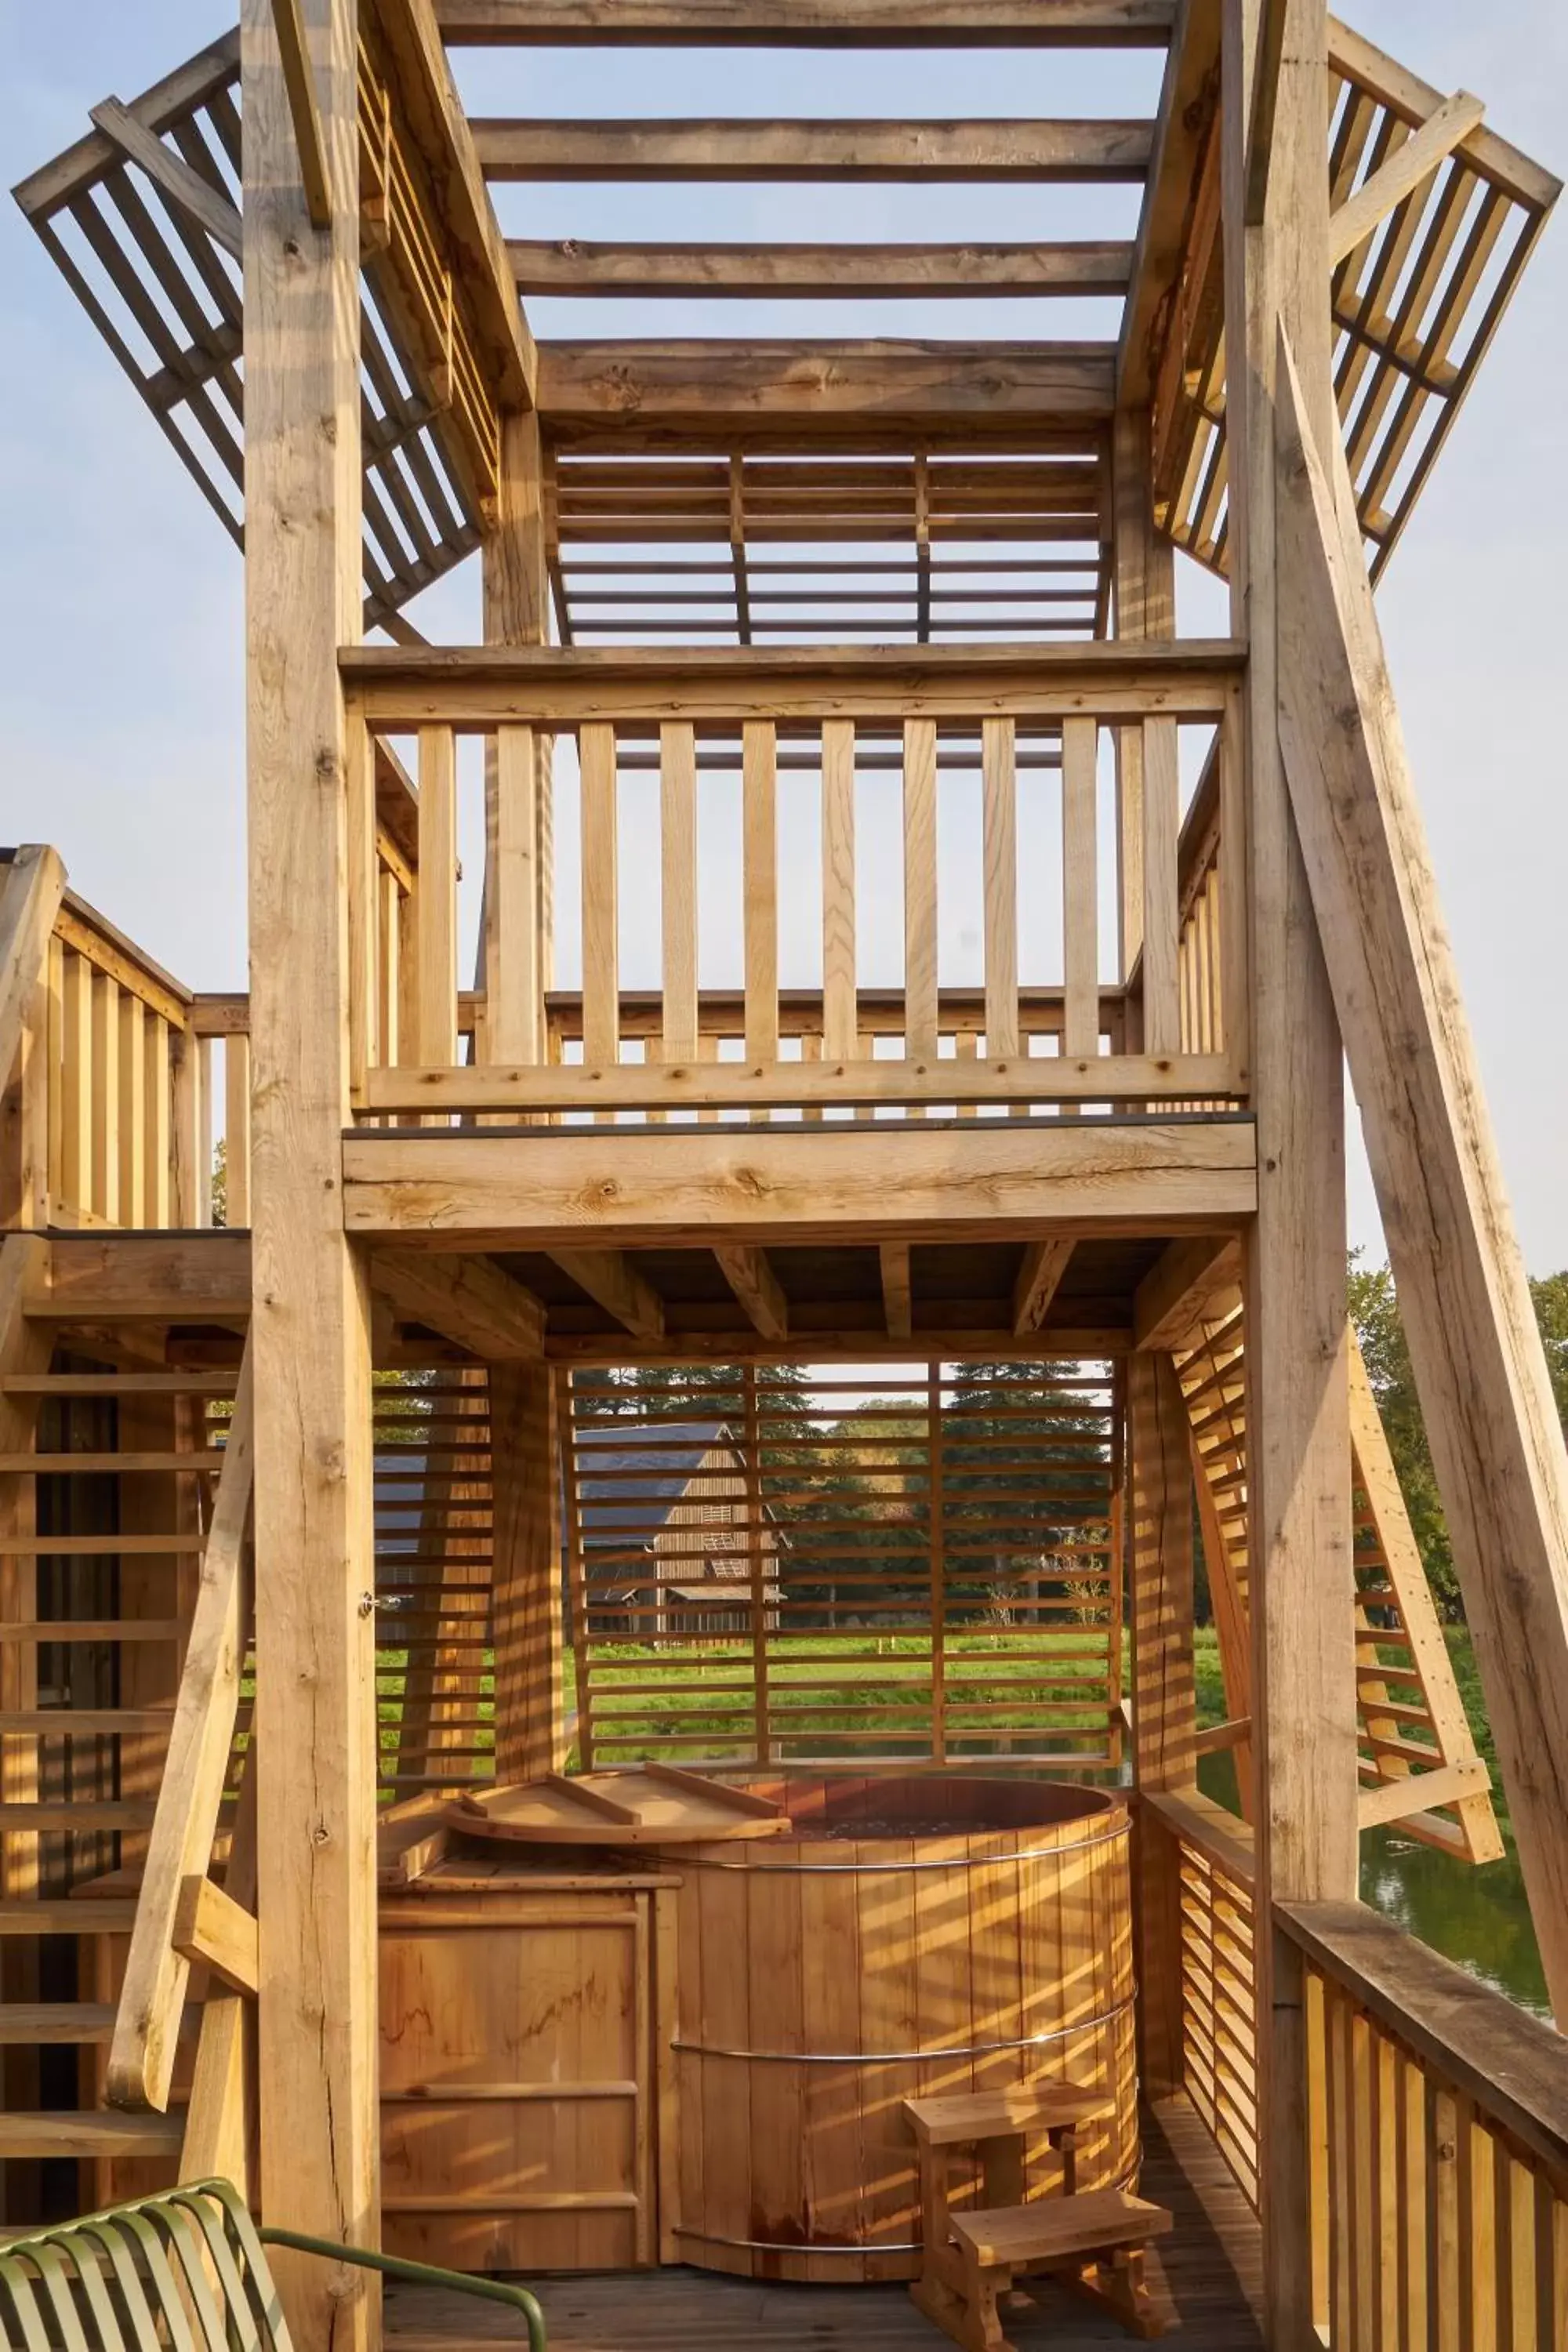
(184, 2272)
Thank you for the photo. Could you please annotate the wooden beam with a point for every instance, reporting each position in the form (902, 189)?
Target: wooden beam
(1414, 101)
(754, 152)
(610, 1278)
(469, 1301)
(809, 24)
(299, 81)
(757, 1287)
(897, 1298)
(1040, 1279)
(479, 688)
(1164, 1715)
(1171, 1300)
(212, 1932)
(315, 1724)
(1299, 1538)
(93, 1277)
(1497, 1442)
(824, 383)
(571, 265)
(197, 198)
(152, 1991)
(436, 119)
(525, 1582)
(440, 1190)
(605, 1085)
(1186, 110)
(1406, 168)
(1395, 1800)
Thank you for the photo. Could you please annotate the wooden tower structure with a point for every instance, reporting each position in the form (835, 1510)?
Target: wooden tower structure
(808, 639)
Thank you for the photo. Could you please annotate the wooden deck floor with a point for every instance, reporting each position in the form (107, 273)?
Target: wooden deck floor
(1208, 2280)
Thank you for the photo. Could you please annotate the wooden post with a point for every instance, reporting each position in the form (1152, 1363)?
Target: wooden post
(1145, 607)
(315, 1712)
(1164, 1717)
(1302, 1585)
(526, 1577)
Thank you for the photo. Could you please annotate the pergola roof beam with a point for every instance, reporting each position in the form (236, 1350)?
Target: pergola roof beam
(823, 382)
(808, 24)
(568, 266)
(754, 152)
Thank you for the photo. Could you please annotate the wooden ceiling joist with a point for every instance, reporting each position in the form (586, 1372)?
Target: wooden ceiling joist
(758, 1289)
(1040, 1279)
(824, 383)
(467, 1300)
(569, 266)
(610, 1279)
(897, 1295)
(1039, 151)
(808, 24)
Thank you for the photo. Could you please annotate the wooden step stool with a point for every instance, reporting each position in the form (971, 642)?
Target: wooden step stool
(1094, 2241)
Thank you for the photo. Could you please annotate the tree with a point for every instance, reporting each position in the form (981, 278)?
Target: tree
(1374, 1311)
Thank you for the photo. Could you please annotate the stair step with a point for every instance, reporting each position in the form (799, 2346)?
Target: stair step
(27, 2022)
(62, 1813)
(108, 1915)
(100, 1546)
(97, 2132)
(1058, 2228)
(93, 1628)
(19, 1466)
(114, 1384)
(86, 1722)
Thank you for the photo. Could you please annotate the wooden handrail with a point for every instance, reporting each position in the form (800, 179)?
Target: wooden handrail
(1221, 1838)
(1513, 2066)
(142, 2055)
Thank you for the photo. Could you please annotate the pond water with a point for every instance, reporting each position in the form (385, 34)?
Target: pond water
(1478, 1918)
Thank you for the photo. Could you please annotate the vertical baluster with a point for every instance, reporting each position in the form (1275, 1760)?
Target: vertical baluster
(1341, 2168)
(106, 1097)
(999, 818)
(184, 1134)
(55, 1051)
(1234, 1038)
(966, 1046)
(158, 1093)
(76, 1135)
(237, 1125)
(1080, 887)
(389, 1042)
(601, 947)
(760, 859)
(839, 1013)
(678, 876)
(920, 891)
(206, 1098)
(437, 954)
(132, 1111)
(514, 1009)
(1161, 825)
(1447, 2219)
(408, 973)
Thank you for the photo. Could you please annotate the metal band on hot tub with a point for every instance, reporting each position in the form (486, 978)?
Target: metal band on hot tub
(866, 2246)
(684, 1860)
(905, 2057)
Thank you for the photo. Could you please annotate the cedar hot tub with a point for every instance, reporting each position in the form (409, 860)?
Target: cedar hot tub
(908, 1937)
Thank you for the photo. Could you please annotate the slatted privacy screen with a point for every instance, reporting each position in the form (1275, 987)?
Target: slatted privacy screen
(1220, 2029)
(433, 1553)
(781, 1567)
(144, 226)
(845, 854)
(1416, 298)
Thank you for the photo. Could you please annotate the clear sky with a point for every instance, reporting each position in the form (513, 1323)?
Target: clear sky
(120, 595)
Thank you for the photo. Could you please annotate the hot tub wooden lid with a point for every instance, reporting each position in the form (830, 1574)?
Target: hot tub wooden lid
(647, 1804)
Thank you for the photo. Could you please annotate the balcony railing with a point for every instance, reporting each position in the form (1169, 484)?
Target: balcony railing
(787, 816)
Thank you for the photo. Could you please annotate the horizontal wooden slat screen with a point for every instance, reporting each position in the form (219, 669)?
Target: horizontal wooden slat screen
(434, 1678)
(1219, 2033)
(776, 1565)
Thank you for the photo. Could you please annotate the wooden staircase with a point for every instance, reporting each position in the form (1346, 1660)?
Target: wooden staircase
(117, 1492)
(1419, 1766)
